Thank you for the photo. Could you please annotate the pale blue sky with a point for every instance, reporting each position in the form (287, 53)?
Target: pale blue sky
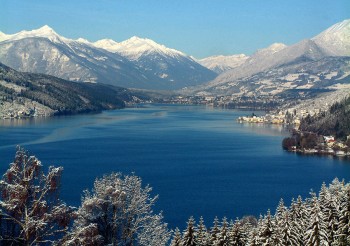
(197, 27)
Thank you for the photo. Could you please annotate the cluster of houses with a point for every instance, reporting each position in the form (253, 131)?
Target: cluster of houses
(329, 146)
(268, 119)
(20, 114)
(326, 145)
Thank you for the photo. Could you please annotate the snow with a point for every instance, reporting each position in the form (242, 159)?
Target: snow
(222, 63)
(83, 41)
(336, 39)
(273, 48)
(43, 32)
(135, 47)
(331, 75)
(107, 44)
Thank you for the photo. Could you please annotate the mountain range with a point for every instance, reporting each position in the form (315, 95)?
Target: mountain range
(317, 63)
(221, 63)
(134, 63)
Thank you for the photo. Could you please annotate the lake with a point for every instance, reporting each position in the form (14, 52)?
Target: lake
(199, 160)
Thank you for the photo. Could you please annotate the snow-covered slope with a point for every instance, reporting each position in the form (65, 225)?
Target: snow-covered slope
(326, 73)
(336, 39)
(222, 63)
(262, 71)
(43, 32)
(136, 47)
(44, 51)
(137, 63)
(169, 65)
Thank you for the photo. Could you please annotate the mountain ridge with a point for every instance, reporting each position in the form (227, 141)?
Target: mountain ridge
(155, 66)
(267, 61)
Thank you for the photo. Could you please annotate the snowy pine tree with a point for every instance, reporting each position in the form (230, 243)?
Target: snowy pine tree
(202, 235)
(267, 235)
(176, 241)
(214, 231)
(298, 221)
(316, 234)
(238, 234)
(343, 232)
(188, 238)
(328, 206)
(222, 236)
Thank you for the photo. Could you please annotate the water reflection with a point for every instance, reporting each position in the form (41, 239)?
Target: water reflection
(23, 121)
(265, 129)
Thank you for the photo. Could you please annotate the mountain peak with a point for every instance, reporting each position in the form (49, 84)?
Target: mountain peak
(42, 32)
(221, 63)
(135, 47)
(273, 48)
(83, 40)
(336, 39)
(107, 44)
(45, 29)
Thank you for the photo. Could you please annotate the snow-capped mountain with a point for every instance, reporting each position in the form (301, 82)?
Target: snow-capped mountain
(136, 47)
(43, 32)
(336, 39)
(326, 73)
(44, 51)
(165, 63)
(265, 67)
(220, 63)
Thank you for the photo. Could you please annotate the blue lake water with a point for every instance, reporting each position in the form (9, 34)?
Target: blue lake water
(199, 160)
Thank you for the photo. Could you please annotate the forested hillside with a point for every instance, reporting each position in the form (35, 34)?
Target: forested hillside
(57, 96)
(335, 121)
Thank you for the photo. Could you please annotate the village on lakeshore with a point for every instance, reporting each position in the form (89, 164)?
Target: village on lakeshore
(301, 141)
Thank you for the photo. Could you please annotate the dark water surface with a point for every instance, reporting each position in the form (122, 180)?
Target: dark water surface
(199, 160)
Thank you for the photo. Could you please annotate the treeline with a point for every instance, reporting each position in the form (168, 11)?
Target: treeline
(322, 219)
(335, 121)
(118, 211)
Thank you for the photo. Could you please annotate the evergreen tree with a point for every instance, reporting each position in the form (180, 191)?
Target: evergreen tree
(298, 217)
(254, 237)
(188, 238)
(343, 232)
(329, 209)
(238, 234)
(285, 235)
(202, 235)
(214, 231)
(279, 220)
(267, 235)
(316, 234)
(222, 236)
(176, 241)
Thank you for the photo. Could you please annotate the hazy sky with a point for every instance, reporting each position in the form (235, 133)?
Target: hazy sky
(197, 27)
